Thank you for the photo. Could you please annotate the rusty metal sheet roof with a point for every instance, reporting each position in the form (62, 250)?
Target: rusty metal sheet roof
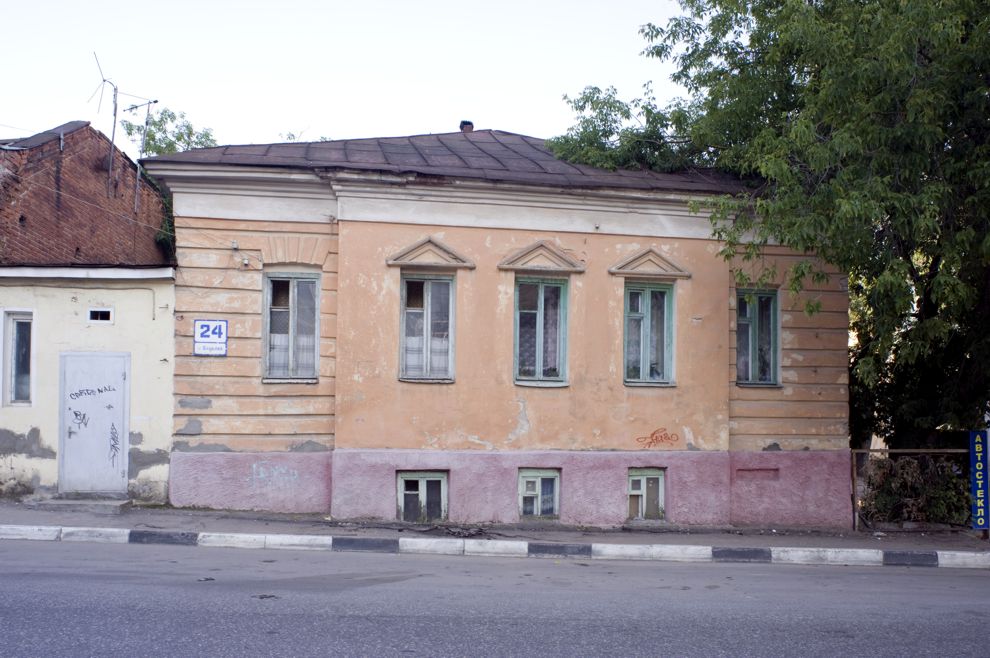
(491, 155)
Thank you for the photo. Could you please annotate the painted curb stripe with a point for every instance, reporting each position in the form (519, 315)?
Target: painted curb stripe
(230, 540)
(372, 544)
(963, 560)
(860, 557)
(299, 542)
(99, 535)
(31, 532)
(723, 554)
(910, 559)
(557, 550)
(163, 537)
(495, 548)
(431, 546)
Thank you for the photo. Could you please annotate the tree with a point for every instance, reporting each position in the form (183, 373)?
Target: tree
(168, 132)
(868, 123)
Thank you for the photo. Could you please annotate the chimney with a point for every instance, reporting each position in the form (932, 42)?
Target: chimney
(467, 126)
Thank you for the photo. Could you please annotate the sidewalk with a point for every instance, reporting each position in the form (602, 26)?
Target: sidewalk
(86, 522)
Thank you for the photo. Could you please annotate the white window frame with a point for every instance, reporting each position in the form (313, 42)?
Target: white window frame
(428, 282)
(7, 361)
(750, 325)
(401, 477)
(539, 379)
(293, 278)
(638, 476)
(97, 309)
(537, 475)
(666, 377)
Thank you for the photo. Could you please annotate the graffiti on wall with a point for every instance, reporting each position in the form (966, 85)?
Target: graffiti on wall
(657, 438)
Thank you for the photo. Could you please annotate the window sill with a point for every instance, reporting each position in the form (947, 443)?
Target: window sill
(636, 384)
(759, 385)
(425, 380)
(283, 380)
(536, 383)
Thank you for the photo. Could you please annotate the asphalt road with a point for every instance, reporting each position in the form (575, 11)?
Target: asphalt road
(61, 599)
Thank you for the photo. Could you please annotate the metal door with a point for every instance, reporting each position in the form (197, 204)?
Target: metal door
(94, 405)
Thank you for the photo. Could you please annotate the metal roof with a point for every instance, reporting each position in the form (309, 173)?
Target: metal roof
(491, 155)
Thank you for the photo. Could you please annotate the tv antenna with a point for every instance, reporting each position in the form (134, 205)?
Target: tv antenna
(113, 131)
(144, 140)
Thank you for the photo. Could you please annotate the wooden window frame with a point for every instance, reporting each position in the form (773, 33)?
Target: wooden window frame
(401, 477)
(428, 279)
(539, 379)
(752, 329)
(293, 278)
(640, 474)
(8, 360)
(538, 474)
(667, 376)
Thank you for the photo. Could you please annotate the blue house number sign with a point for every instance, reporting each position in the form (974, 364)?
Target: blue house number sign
(210, 337)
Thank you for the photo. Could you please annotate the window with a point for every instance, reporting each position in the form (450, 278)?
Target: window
(427, 318)
(541, 345)
(646, 493)
(17, 353)
(101, 315)
(756, 337)
(291, 326)
(422, 496)
(649, 333)
(539, 492)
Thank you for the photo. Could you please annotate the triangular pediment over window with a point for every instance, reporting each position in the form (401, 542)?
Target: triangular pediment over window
(649, 264)
(429, 253)
(542, 256)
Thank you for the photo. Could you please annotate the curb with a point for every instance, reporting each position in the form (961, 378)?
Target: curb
(501, 548)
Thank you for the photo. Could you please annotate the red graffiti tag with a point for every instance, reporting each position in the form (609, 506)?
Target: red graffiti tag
(658, 437)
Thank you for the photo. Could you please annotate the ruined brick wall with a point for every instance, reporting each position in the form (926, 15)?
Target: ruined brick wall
(57, 208)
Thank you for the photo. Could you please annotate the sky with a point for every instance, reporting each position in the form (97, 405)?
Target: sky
(256, 71)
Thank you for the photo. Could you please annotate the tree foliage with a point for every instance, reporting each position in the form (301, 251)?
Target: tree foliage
(869, 123)
(168, 132)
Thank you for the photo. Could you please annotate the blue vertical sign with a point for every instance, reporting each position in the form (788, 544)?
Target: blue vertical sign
(978, 478)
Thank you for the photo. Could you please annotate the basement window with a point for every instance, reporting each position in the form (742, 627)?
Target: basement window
(101, 316)
(422, 496)
(646, 494)
(539, 493)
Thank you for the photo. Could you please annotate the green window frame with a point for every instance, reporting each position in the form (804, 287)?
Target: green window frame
(292, 327)
(539, 493)
(540, 354)
(757, 337)
(648, 334)
(422, 496)
(646, 494)
(426, 349)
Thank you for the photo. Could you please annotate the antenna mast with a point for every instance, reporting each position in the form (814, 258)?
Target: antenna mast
(144, 141)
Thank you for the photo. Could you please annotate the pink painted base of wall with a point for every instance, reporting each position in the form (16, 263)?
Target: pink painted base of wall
(270, 481)
(791, 489)
(806, 488)
(765, 489)
(482, 487)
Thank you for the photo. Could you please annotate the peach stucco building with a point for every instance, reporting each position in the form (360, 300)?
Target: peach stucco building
(461, 327)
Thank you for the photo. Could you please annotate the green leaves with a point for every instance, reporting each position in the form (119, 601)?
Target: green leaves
(168, 132)
(870, 123)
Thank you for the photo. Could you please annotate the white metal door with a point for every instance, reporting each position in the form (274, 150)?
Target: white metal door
(94, 402)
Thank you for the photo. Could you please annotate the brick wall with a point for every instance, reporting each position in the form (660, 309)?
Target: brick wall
(56, 207)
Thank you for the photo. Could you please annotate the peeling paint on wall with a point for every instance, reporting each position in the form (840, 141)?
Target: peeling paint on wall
(138, 460)
(522, 422)
(28, 444)
(772, 447)
(195, 403)
(309, 446)
(135, 438)
(184, 446)
(192, 427)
